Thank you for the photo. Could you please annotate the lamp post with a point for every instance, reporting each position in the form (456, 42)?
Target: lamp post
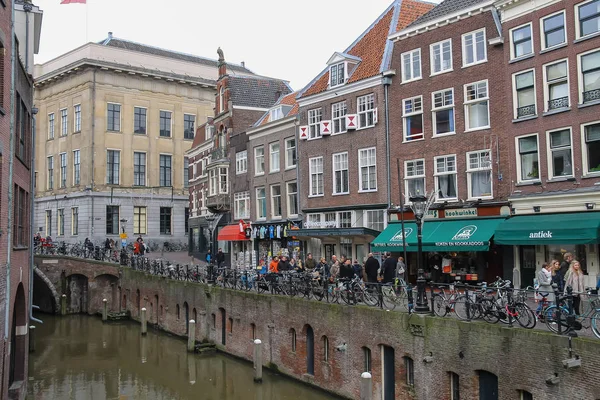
(212, 221)
(419, 206)
(123, 223)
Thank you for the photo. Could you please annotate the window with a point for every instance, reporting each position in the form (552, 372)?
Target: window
(292, 199)
(165, 170)
(367, 359)
(556, 85)
(112, 166)
(139, 120)
(525, 91)
(77, 112)
(22, 129)
(560, 156)
(63, 170)
(276, 201)
(259, 160)
(75, 221)
(316, 176)
(20, 217)
(414, 181)
(589, 18)
(50, 182)
(241, 205)
(374, 220)
(189, 121)
(112, 220)
(213, 181)
(338, 114)
(411, 65)
(367, 113)
(293, 332)
(367, 166)
(445, 178)
(477, 106)
(590, 76)
(454, 386)
(410, 371)
(525, 395)
(473, 46)
(186, 219)
(241, 162)
(314, 123)
(221, 100)
(340, 173)
(337, 75)
(63, 122)
(413, 118)
(345, 218)
(48, 223)
(76, 167)
(223, 180)
(60, 221)
(325, 349)
(165, 220)
(553, 30)
(591, 151)
(479, 174)
(441, 57)
(261, 203)
(186, 172)
(165, 123)
(274, 157)
(443, 112)
(139, 169)
(528, 161)
(139, 220)
(275, 113)
(522, 42)
(51, 126)
(290, 153)
(113, 117)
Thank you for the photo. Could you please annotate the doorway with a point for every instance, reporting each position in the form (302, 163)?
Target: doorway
(488, 386)
(329, 251)
(389, 373)
(223, 327)
(310, 350)
(527, 261)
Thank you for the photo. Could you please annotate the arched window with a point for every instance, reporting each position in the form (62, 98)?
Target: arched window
(293, 337)
(525, 395)
(230, 325)
(367, 359)
(488, 385)
(454, 386)
(409, 366)
(221, 99)
(253, 330)
(325, 348)
(177, 311)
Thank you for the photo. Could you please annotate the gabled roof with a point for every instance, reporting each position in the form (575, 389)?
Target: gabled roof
(287, 100)
(445, 8)
(112, 41)
(256, 91)
(372, 47)
(199, 137)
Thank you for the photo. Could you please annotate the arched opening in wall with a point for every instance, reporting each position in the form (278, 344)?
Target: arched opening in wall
(186, 314)
(325, 341)
(223, 326)
(157, 307)
(104, 286)
(195, 316)
(454, 385)
(253, 330)
(18, 337)
(138, 302)
(124, 303)
(77, 293)
(310, 350)
(151, 312)
(161, 311)
(177, 311)
(388, 376)
(488, 385)
(409, 371)
(43, 296)
(293, 339)
(366, 359)
(214, 321)
(523, 395)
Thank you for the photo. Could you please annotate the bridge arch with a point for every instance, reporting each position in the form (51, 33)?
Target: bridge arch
(45, 294)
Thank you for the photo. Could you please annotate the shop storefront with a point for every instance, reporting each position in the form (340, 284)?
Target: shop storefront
(241, 248)
(276, 239)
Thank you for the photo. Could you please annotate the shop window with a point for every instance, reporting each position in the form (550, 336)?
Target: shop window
(557, 252)
(346, 247)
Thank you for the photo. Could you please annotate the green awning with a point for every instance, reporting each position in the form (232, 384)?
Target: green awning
(440, 235)
(570, 228)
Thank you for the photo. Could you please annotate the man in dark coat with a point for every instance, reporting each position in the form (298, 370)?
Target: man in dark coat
(388, 269)
(371, 267)
(220, 257)
(284, 264)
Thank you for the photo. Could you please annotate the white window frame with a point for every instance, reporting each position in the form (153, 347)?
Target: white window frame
(290, 162)
(314, 118)
(513, 55)
(241, 162)
(515, 94)
(584, 150)
(369, 223)
(273, 214)
(338, 114)
(464, 48)
(416, 176)
(443, 107)
(76, 167)
(120, 117)
(238, 199)
(580, 73)
(316, 174)
(50, 173)
(223, 172)
(547, 85)
(76, 118)
(63, 160)
(337, 68)
(51, 125)
(518, 159)
(258, 203)
(339, 167)
(275, 113)
(578, 34)
(74, 221)
(274, 157)
(414, 101)
(290, 194)
(361, 166)
(256, 161)
(549, 155)
(468, 103)
(366, 107)
(437, 175)
(411, 54)
(60, 222)
(432, 59)
(213, 182)
(64, 122)
(470, 171)
(543, 44)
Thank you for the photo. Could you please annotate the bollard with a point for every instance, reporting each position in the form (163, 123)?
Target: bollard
(31, 338)
(366, 386)
(144, 321)
(257, 361)
(63, 304)
(104, 310)
(191, 345)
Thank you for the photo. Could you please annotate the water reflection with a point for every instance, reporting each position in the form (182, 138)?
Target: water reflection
(78, 357)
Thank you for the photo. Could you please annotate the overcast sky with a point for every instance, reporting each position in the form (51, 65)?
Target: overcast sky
(283, 39)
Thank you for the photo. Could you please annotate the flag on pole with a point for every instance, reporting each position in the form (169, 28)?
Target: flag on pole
(73, 1)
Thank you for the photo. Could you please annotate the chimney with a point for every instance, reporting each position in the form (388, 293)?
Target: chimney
(243, 64)
(222, 65)
(110, 36)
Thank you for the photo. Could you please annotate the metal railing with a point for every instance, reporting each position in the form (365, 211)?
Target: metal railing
(526, 111)
(560, 102)
(591, 95)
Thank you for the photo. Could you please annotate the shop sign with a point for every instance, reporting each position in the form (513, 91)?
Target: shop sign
(320, 224)
(461, 238)
(540, 235)
(432, 214)
(461, 212)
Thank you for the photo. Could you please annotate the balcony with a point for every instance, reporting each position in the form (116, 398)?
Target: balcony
(591, 95)
(219, 203)
(526, 111)
(561, 102)
(220, 155)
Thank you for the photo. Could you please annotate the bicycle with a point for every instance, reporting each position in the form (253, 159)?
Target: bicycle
(561, 318)
(394, 294)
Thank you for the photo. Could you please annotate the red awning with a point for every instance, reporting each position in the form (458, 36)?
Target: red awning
(231, 233)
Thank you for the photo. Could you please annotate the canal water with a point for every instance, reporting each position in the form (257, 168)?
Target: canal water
(79, 358)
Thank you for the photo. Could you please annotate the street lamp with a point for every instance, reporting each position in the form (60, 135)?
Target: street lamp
(212, 221)
(419, 206)
(123, 223)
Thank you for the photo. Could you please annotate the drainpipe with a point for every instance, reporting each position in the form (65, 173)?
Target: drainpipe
(93, 147)
(27, 7)
(387, 81)
(34, 112)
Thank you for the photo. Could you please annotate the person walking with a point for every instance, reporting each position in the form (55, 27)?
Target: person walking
(220, 257)
(400, 268)
(208, 257)
(371, 268)
(576, 280)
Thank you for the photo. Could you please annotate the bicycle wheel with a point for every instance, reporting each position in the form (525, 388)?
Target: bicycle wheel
(369, 297)
(595, 323)
(461, 304)
(552, 315)
(524, 315)
(388, 298)
(318, 292)
(489, 312)
(440, 305)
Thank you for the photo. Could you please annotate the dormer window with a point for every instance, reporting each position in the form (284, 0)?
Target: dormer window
(209, 132)
(276, 113)
(337, 74)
